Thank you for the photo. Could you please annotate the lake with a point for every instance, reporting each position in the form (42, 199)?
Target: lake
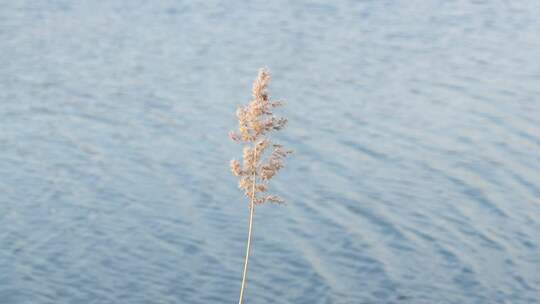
(415, 126)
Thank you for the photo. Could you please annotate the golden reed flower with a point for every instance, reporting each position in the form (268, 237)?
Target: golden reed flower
(255, 121)
(262, 159)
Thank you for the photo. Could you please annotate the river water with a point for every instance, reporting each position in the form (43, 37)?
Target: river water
(415, 125)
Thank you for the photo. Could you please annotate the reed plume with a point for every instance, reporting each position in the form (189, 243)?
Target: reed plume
(262, 158)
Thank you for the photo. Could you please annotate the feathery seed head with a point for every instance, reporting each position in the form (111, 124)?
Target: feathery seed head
(255, 121)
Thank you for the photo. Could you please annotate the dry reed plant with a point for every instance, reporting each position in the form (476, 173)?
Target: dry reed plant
(262, 159)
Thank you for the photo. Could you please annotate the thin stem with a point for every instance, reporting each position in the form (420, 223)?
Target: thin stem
(250, 231)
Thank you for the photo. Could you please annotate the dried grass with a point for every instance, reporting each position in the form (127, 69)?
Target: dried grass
(262, 158)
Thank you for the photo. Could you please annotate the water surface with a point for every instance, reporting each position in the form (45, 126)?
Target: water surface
(415, 125)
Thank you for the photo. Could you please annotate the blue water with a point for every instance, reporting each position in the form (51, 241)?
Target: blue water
(415, 125)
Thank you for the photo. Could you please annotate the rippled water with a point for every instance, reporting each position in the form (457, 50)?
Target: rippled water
(415, 124)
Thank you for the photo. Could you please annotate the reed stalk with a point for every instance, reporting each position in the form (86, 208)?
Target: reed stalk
(255, 121)
(248, 245)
